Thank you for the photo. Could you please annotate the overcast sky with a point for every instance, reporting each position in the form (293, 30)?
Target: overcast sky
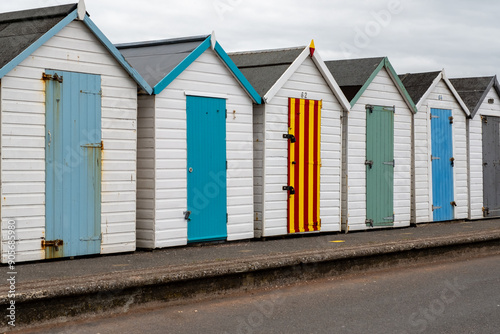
(417, 35)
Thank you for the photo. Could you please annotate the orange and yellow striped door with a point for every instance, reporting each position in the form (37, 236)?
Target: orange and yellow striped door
(304, 163)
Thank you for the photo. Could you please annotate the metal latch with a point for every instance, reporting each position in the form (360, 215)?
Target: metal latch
(484, 119)
(289, 136)
(369, 222)
(369, 163)
(54, 77)
(452, 160)
(451, 119)
(436, 207)
(453, 203)
(186, 215)
(93, 145)
(290, 189)
(52, 243)
(391, 163)
(369, 107)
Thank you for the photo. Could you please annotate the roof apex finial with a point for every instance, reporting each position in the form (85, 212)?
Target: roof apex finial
(82, 11)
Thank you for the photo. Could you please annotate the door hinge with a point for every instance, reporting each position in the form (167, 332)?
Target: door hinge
(389, 218)
(290, 189)
(54, 77)
(369, 222)
(289, 136)
(451, 119)
(391, 163)
(436, 207)
(52, 243)
(484, 119)
(434, 158)
(433, 116)
(369, 108)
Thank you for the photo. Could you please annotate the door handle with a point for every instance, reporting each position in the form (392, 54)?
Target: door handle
(190, 169)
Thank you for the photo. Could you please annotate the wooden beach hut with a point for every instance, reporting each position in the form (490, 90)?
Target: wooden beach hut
(195, 148)
(297, 141)
(68, 105)
(482, 97)
(377, 144)
(440, 189)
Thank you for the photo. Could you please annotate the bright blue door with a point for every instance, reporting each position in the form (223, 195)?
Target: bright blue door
(73, 164)
(206, 163)
(442, 164)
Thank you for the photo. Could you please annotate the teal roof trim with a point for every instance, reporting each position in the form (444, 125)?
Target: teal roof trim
(160, 86)
(117, 55)
(42, 40)
(237, 73)
(387, 65)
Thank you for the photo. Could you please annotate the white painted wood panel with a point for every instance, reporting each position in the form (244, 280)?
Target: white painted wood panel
(74, 49)
(382, 91)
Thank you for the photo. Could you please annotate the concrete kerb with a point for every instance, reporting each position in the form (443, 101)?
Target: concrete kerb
(90, 294)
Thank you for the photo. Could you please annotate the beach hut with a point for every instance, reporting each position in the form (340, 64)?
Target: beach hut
(68, 105)
(195, 149)
(297, 141)
(440, 169)
(482, 97)
(377, 144)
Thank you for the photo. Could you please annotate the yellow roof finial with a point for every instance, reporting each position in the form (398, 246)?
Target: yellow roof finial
(312, 48)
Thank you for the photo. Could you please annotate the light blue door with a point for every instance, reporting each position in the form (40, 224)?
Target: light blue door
(73, 164)
(442, 164)
(206, 164)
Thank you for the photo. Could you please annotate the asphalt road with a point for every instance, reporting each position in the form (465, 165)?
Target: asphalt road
(458, 297)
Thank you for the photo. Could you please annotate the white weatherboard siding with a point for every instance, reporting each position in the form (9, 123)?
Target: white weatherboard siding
(383, 92)
(74, 49)
(258, 167)
(207, 75)
(440, 98)
(476, 153)
(307, 79)
(145, 171)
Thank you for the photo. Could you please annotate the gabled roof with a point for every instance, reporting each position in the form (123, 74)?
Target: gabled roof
(23, 32)
(420, 85)
(417, 84)
(355, 75)
(474, 90)
(264, 68)
(269, 70)
(161, 61)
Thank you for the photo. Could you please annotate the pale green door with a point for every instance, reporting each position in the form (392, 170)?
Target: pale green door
(379, 166)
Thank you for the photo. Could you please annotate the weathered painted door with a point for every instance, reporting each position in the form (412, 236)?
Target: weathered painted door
(379, 166)
(304, 164)
(73, 164)
(491, 166)
(206, 174)
(442, 164)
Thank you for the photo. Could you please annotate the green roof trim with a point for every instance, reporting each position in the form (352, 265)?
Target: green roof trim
(385, 63)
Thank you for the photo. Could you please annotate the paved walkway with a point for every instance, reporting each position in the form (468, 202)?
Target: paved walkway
(196, 255)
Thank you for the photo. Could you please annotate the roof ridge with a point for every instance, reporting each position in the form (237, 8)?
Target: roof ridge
(266, 50)
(199, 38)
(37, 13)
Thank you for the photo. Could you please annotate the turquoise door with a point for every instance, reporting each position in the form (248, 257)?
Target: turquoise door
(206, 164)
(379, 166)
(73, 164)
(442, 164)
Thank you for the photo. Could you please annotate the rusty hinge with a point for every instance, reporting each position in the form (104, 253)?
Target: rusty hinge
(486, 211)
(484, 119)
(52, 243)
(436, 207)
(55, 77)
